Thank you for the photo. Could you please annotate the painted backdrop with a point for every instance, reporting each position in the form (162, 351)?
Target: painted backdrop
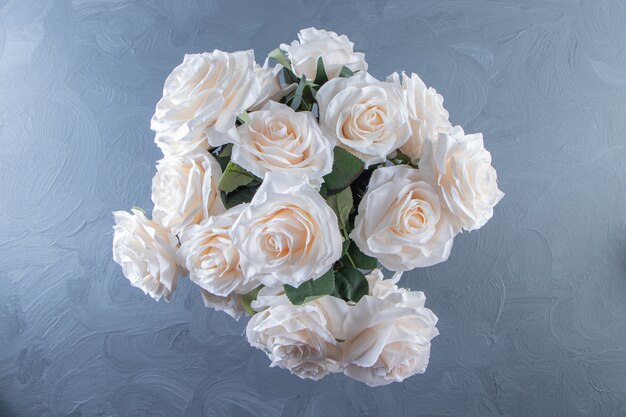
(532, 307)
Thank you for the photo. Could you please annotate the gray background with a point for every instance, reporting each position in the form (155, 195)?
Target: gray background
(532, 307)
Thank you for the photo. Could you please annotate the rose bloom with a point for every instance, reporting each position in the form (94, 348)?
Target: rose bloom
(336, 52)
(401, 220)
(208, 252)
(230, 305)
(207, 90)
(300, 338)
(465, 177)
(146, 252)
(288, 234)
(184, 190)
(278, 139)
(388, 339)
(365, 115)
(427, 116)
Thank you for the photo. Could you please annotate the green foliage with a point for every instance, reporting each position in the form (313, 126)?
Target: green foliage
(311, 289)
(320, 75)
(346, 168)
(234, 176)
(280, 56)
(248, 298)
(359, 259)
(341, 203)
(346, 72)
(350, 284)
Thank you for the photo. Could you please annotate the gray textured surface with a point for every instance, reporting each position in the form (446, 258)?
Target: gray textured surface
(532, 307)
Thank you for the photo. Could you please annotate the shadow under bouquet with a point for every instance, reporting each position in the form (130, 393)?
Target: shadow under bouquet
(286, 187)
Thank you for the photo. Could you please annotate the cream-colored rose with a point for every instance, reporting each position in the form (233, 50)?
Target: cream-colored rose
(465, 177)
(388, 339)
(365, 115)
(230, 305)
(206, 249)
(278, 139)
(146, 252)
(336, 51)
(271, 88)
(300, 338)
(401, 220)
(184, 190)
(427, 116)
(288, 234)
(207, 90)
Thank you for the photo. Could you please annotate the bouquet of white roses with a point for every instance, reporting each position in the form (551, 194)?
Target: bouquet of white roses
(283, 189)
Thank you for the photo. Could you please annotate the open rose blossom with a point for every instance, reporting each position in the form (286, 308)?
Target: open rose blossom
(286, 187)
(402, 221)
(365, 115)
(146, 252)
(465, 177)
(184, 190)
(279, 139)
(288, 234)
(335, 50)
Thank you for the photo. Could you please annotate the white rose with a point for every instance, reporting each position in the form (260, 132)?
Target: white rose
(146, 252)
(184, 190)
(207, 251)
(207, 90)
(269, 81)
(288, 234)
(336, 51)
(466, 179)
(427, 116)
(387, 341)
(300, 338)
(278, 139)
(230, 305)
(367, 116)
(196, 141)
(381, 287)
(401, 220)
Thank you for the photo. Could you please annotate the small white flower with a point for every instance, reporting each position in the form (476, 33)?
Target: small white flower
(427, 116)
(288, 234)
(146, 252)
(365, 115)
(467, 181)
(336, 52)
(209, 254)
(278, 139)
(401, 220)
(300, 338)
(184, 190)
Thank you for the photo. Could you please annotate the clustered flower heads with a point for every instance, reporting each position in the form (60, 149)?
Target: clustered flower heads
(284, 188)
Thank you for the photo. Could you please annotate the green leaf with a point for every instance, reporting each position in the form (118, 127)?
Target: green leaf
(297, 96)
(234, 176)
(320, 75)
(239, 196)
(361, 260)
(400, 158)
(244, 117)
(346, 72)
(248, 298)
(290, 77)
(222, 154)
(280, 56)
(350, 284)
(346, 168)
(341, 203)
(311, 289)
